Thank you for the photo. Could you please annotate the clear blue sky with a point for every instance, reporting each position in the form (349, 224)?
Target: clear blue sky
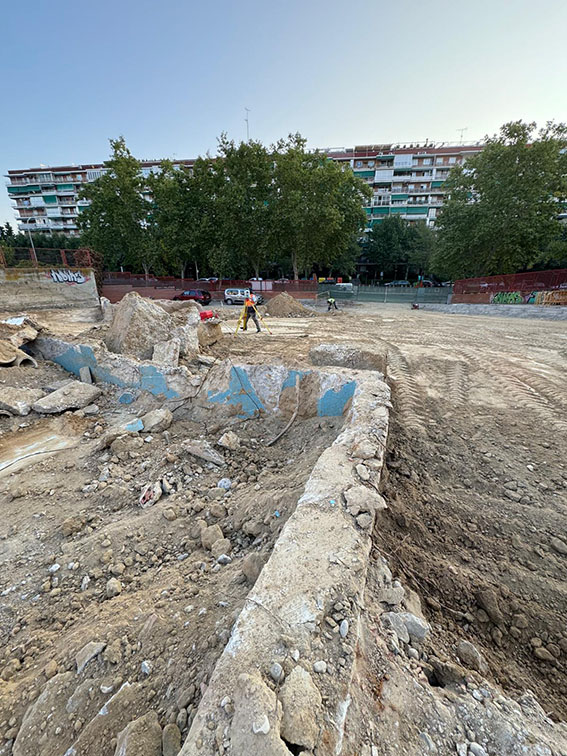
(170, 75)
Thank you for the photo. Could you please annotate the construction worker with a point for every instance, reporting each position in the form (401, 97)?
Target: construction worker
(332, 303)
(250, 313)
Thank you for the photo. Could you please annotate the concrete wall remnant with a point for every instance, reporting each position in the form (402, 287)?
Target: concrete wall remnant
(45, 288)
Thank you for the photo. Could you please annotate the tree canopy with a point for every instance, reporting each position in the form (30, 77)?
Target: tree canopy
(501, 212)
(397, 247)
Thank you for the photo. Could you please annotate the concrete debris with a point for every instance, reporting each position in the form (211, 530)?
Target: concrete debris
(470, 656)
(157, 420)
(88, 652)
(344, 355)
(209, 333)
(11, 356)
(229, 440)
(137, 325)
(256, 721)
(19, 401)
(167, 352)
(301, 702)
(142, 737)
(417, 628)
(203, 450)
(85, 374)
(73, 396)
(151, 493)
(361, 499)
(210, 535)
(171, 740)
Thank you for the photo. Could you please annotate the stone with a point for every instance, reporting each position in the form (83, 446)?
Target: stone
(19, 401)
(229, 440)
(210, 535)
(166, 352)
(88, 652)
(203, 450)
(343, 628)
(137, 325)
(169, 514)
(363, 472)
(255, 726)
(475, 749)
(224, 559)
(392, 596)
(50, 669)
(220, 547)
(417, 628)
(362, 499)
(543, 654)
(150, 494)
(170, 740)
(558, 545)
(90, 410)
(320, 666)
(394, 621)
(224, 483)
(276, 671)
(252, 566)
(301, 702)
(488, 600)
(218, 511)
(113, 588)
(146, 667)
(85, 374)
(470, 656)
(209, 332)
(74, 395)
(157, 420)
(364, 521)
(142, 737)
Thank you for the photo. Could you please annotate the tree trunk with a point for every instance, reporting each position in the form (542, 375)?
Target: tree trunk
(294, 266)
(196, 271)
(183, 267)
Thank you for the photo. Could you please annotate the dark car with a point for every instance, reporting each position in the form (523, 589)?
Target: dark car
(197, 295)
(398, 283)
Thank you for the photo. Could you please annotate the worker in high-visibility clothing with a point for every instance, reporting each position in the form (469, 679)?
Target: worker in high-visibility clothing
(250, 313)
(332, 303)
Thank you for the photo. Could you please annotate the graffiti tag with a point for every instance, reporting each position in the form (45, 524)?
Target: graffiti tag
(68, 276)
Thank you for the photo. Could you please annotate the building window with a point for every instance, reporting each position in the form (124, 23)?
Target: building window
(440, 161)
(358, 164)
(371, 163)
(452, 160)
(427, 161)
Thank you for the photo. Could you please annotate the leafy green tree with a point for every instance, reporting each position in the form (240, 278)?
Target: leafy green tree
(117, 222)
(502, 206)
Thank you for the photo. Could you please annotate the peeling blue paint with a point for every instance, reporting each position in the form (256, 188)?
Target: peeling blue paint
(126, 398)
(290, 379)
(333, 402)
(240, 392)
(151, 378)
(135, 425)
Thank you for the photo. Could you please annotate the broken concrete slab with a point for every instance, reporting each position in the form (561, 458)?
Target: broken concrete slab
(73, 396)
(85, 374)
(18, 401)
(301, 703)
(88, 652)
(157, 420)
(142, 737)
(137, 325)
(204, 451)
(167, 352)
(209, 333)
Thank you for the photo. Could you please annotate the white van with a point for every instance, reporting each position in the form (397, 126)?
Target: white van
(238, 296)
(344, 287)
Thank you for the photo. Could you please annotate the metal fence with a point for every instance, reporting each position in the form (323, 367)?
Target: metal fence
(385, 294)
(43, 257)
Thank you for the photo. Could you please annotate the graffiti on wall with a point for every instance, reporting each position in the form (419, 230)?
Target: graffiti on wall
(68, 276)
(533, 297)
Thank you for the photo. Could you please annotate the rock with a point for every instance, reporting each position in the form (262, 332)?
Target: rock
(255, 725)
(73, 396)
(210, 535)
(343, 628)
(203, 450)
(50, 669)
(229, 440)
(558, 545)
(151, 493)
(137, 325)
(91, 409)
(301, 702)
(18, 401)
(221, 547)
(417, 628)
(166, 352)
(362, 471)
(252, 566)
(320, 666)
(88, 652)
(171, 740)
(543, 654)
(157, 420)
(113, 588)
(392, 596)
(224, 559)
(394, 621)
(276, 671)
(364, 521)
(218, 511)
(85, 374)
(488, 600)
(477, 750)
(169, 514)
(146, 667)
(209, 333)
(142, 737)
(224, 483)
(470, 656)
(362, 499)
(261, 725)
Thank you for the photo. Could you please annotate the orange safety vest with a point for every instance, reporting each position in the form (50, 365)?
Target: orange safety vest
(249, 302)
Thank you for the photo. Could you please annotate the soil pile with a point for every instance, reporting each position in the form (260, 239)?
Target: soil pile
(285, 306)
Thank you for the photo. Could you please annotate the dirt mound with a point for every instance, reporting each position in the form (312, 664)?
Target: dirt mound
(285, 306)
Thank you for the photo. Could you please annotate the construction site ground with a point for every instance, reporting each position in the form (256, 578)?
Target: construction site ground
(475, 482)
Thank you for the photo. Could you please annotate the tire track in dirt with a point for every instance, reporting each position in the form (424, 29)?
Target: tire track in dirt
(457, 383)
(407, 395)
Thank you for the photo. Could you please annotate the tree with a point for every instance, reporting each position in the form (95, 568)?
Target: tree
(316, 209)
(117, 222)
(502, 206)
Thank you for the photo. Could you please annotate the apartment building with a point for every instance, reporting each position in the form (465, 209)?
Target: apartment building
(406, 180)
(46, 200)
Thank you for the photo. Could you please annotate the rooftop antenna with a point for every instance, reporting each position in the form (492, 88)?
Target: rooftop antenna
(247, 125)
(462, 131)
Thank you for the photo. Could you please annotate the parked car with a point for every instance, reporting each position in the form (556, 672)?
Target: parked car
(282, 280)
(255, 279)
(425, 283)
(238, 296)
(212, 279)
(197, 295)
(398, 283)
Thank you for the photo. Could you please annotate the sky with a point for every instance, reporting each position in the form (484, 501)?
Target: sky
(171, 75)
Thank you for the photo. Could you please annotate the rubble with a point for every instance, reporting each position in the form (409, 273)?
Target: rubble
(166, 352)
(19, 401)
(72, 396)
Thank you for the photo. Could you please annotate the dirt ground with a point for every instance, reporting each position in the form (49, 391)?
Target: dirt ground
(475, 482)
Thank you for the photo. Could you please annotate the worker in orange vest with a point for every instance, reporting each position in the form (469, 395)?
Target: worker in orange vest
(250, 313)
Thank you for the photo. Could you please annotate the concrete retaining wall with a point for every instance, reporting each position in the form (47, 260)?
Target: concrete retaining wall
(318, 563)
(502, 311)
(47, 288)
